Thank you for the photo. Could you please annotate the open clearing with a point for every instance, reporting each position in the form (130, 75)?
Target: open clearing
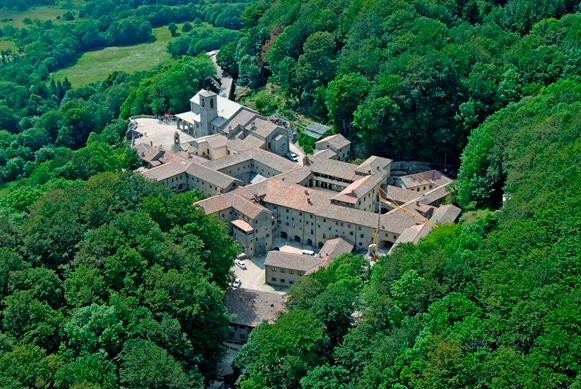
(16, 18)
(95, 66)
(7, 45)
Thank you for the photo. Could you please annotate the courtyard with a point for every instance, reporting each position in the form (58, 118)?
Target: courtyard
(253, 277)
(158, 133)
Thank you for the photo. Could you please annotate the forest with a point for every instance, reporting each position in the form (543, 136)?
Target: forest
(407, 79)
(108, 280)
(37, 113)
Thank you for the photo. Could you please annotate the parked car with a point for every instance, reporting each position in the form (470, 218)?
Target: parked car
(236, 283)
(240, 263)
(308, 252)
(292, 156)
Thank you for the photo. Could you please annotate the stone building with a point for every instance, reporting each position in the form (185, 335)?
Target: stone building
(236, 161)
(248, 308)
(283, 269)
(338, 144)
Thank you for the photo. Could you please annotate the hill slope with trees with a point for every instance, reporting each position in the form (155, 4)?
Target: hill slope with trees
(407, 79)
(492, 303)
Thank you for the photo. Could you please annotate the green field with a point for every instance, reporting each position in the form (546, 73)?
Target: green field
(7, 44)
(96, 66)
(16, 18)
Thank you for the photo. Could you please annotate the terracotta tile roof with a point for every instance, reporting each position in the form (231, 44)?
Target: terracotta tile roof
(214, 141)
(292, 261)
(221, 180)
(401, 195)
(262, 127)
(324, 154)
(333, 248)
(333, 168)
(241, 118)
(446, 214)
(374, 165)
(215, 204)
(396, 221)
(436, 194)
(249, 143)
(413, 234)
(296, 196)
(147, 152)
(242, 225)
(358, 189)
(167, 170)
(267, 158)
(434, 177)
(233, 200)
(336, 141)
(252, 307)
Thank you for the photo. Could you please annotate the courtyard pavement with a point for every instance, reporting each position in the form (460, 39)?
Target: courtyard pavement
(158, 133)
(253, 277)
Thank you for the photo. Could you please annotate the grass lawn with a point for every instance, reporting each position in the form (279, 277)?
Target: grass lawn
(16, 18)
(96, 66)
(7, 44)
(473, 216)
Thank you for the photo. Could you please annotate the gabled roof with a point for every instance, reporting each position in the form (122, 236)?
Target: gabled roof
(400, 195)
(295, 196)
(292, 261)
(434, 177)
(167, 170)
(233, 200)
(358, 189)
(333, 248)
(252, 307)
(374, 165)
(316, 130)
(242, 225)
(413, 234)
(336, 141)
(267, 158)
(331, 167)
(213, 177)
(262, 127)
(324, 154)
(446, 214)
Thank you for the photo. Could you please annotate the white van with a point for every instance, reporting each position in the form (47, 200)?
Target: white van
(308, 252)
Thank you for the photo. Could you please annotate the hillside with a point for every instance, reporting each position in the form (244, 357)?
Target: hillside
(491, 303)
(110, 280)
(407, 79)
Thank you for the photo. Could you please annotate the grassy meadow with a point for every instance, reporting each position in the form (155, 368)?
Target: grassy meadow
(96, 66)
(16, 18)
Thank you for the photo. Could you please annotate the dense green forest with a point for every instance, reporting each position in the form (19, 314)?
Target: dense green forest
(106, 280)
(37, 114)
(407, 79)
(492, 303)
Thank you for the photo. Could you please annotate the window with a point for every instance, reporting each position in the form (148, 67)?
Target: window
(211, 103)
(291, 272)
(274, 279)
(282, 280)
(282, 271)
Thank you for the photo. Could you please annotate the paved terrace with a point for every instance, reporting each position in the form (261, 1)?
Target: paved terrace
(158, 133)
